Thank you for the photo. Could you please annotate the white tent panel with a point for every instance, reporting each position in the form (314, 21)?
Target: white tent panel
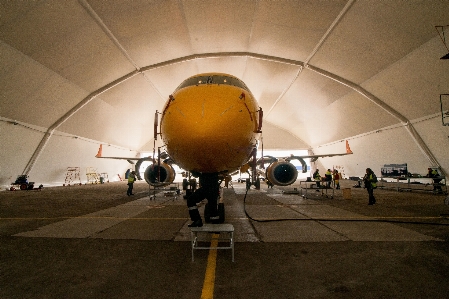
(142, 27)
(385, 32)
(165, 79)
(267, 80)
(436, 136)
(18, 143)
(279, 138)
(413, 91)
(229, 65)
(100, 121)
(61, 36)
(292, 28)
(369, 116)
(398, 148)
(32, 93)
(211, 22)
(64, 152)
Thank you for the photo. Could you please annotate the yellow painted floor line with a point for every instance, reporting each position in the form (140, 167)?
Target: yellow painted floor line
(209, 278)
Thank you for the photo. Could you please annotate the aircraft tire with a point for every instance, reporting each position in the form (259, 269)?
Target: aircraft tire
(257, 184)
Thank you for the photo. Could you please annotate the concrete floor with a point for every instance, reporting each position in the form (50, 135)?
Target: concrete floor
(91, 245)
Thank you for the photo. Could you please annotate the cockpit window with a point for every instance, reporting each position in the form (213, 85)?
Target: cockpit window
(214, 79)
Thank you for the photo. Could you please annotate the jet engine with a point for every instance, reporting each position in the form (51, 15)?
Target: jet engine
(281, 173)
(159, 174)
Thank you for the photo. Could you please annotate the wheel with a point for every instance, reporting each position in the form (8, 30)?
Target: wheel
(257, 184)
(206, 213)
(23, 186)
(221, 212)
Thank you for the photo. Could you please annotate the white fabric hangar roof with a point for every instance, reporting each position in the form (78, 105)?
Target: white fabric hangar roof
(74, 74)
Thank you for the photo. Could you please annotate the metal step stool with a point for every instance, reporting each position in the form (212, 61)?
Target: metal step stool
(225, 228)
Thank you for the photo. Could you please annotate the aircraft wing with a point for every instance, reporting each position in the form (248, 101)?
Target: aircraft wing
(129, 159)
(313, 158)
(281, 172)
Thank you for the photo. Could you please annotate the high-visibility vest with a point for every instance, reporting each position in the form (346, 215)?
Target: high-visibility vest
(371, 179)
(131, 178)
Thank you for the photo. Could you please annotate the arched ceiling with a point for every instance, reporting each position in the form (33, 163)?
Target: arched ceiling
(310, 64)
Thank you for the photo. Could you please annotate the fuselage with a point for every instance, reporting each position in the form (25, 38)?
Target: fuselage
(210, 123)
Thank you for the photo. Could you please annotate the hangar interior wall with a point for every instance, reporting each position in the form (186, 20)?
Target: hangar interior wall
(390, 145)
(61, 151)
(35, 95)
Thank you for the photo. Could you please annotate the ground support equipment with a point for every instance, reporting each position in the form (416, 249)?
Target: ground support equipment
(225, 232)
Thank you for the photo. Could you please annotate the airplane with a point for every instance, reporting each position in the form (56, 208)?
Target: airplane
(211, 126)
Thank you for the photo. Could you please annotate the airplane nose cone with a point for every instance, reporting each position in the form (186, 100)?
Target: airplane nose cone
(213, 125)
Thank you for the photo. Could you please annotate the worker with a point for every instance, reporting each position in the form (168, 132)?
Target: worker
(433, 173)
(317, 178)
(131, 180)
(228, 178)
(209, 189)
(336, 179)
(328, 178)
(370, 180)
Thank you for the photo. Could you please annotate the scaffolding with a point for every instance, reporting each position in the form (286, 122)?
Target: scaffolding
(92, 176)
(72, 175)
(104, 178)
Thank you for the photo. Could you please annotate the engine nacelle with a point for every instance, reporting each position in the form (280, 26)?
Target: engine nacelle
(159, 175)
(281, 173)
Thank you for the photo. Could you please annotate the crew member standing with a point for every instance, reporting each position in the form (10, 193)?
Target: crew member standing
(317, 178)
(328, 178)
(433, 173)
(131, 179)
(370, 180)
(336, 179)
(209, 189)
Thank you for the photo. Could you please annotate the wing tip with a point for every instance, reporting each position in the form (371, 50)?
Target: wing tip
(100, 150)
(348, 149)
